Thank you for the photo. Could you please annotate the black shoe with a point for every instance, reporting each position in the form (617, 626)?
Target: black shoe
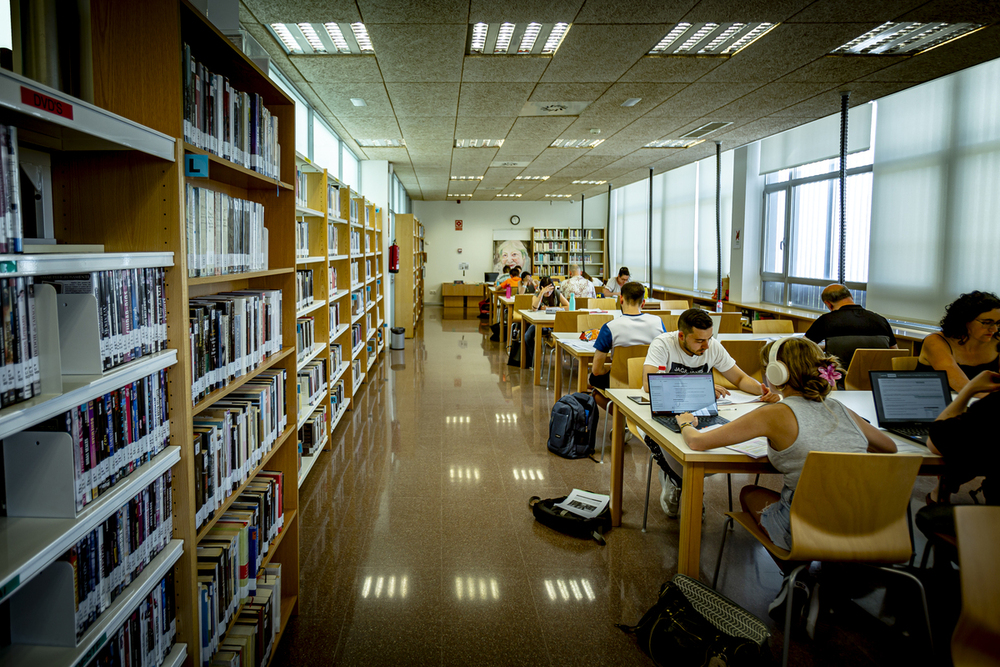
(776, 610)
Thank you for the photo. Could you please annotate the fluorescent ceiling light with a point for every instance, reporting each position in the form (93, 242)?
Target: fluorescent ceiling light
(631, 102)
(709, 39)
(589, 182)
(361, 35)
(511, 39)
(466, 178)
(459, 195)
(328, 38)
(508, 194)
(358, 102)
(575, 143)
(560, 196)
(673, 143)
(478, 143)
(890, 39)
(705, 129)
(335, 33)
(286, 38)
(382, 143)
(531, 178)
(312, 37)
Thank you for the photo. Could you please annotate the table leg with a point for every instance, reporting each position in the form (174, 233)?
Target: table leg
(521, 343)
(617, 462)
(581, 374)
(692, 497)
(557, 369)
(537, 359)
(503, 328)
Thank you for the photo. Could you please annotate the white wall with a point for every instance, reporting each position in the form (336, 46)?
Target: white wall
(375, 176)
(476, 238)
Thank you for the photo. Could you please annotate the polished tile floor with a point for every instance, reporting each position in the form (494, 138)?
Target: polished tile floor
(418, 547)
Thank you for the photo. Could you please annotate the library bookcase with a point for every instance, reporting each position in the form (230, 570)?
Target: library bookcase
(555, 249)
(409, 295)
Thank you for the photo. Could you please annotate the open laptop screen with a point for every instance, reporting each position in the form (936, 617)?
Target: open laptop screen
(909, 396)
(674, 394)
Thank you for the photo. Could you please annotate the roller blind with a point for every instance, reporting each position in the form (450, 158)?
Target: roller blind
(675, 252)
(815, 141)
(629, 206)
(707, 250)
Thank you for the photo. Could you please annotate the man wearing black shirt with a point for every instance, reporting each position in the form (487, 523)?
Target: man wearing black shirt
(846, 318)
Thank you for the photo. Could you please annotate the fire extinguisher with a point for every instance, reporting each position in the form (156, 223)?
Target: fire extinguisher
(394, 257)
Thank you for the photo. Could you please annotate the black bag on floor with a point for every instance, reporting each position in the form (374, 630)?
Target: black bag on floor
(557, 518)
(515, 354)
(573, 426)
(673, 632)
(495, 331)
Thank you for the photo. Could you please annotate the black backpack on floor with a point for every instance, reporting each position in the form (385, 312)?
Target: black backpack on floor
(573, 426)
(557, 518)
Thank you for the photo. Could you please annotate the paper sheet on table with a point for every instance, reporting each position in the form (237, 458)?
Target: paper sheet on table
(737, 397)
(585, 503)
(755, 448)
(580, 345)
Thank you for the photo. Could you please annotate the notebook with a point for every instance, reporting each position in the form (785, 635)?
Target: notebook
(906, 402)
(671, 394)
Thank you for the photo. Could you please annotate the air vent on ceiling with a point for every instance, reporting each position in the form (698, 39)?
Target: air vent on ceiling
(893, 39)
(558, 108)
(709, 39)
(515, 39)
(707, 128)
(510, 163)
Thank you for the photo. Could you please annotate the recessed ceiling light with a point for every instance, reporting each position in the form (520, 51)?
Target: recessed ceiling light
(478, 143)
(589, 182)
(358, 102)
(709, 39)
(459, 195)
(509, 194)
(323, 38)
(382, 143)
(890, 39)
(631, 102)
(286, 38)
(361, 35)
(575, 143)
(510, 39)
(466, 178)
(531, 178)
(560, 196)
(673, 143)
(707, 128)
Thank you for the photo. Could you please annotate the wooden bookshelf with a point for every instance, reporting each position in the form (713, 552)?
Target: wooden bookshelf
(555, 249)
(409, 295)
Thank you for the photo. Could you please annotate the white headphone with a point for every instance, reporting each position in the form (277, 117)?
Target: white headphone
(776, 371)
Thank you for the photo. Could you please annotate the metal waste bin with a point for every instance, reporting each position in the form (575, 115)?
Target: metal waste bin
(397, 340)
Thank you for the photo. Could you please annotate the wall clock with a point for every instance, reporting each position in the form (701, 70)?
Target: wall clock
(514, 219)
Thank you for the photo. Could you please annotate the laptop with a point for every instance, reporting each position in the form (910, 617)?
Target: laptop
(672, 394)
(491, 276)
(906, 402)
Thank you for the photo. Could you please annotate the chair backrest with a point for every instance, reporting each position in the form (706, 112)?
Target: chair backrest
(586, 321)
(583, 302)
(773, 326)
(635, 365)
(852, 507)
(675, 304)
(974, 642)
(865, 360)
(602, 303)
(746, 353)
(522, 302)
(904, 363)
(843, 347)
(567, 320)
(619, 364)
(669, 321)
(727, 322)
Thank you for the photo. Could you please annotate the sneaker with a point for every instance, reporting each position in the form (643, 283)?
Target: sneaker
(776, 610)
(670, 496)
(813, 613)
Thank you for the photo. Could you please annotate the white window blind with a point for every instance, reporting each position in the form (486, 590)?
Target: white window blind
(326, 148)
(350, 174)
(707, 250)
(675, 255)
(934, 231)
(815, 141)
(630, 212)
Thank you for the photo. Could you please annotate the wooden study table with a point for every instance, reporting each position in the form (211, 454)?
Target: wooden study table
(582, 351)
(505, 306)
(698, 464)
(542, 319)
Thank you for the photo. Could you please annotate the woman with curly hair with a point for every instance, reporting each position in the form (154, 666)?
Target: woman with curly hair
(967, 343)
(805, 420)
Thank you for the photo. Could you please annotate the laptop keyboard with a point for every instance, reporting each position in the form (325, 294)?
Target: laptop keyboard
(913, 431)
(671, 422)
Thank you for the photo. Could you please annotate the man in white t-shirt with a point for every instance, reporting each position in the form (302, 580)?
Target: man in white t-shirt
(614, 287)
(691, 349)
(577, 284)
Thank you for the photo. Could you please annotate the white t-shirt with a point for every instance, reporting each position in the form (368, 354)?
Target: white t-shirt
(666, 350)
(628, 330)
(613, 286)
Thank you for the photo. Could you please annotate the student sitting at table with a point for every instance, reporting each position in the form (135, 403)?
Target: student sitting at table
(502, 277)
(577, 284)
(691, 349)
(528, 283)
(806, 420)
(633, 328)
(513, 280)
(547, 296)
(967, 343)
(614, 287)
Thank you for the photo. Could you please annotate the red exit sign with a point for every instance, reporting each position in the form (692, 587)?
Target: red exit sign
(35, 99)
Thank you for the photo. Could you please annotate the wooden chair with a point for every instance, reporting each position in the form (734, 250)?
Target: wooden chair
(603, 303)
(669, 321)
(623, 362)
(727, 322)
(773, 326)
(587, 321)
(675, 304)
(521, 302)
(904, 363)
(974, 642)
(848, 508)
(566, 320)
(747, 356)
(869, 360)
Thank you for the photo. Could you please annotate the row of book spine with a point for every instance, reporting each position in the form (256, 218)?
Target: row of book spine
(250, 640)
(110, 557)
(313, 432)
(11, 219)
(232, 437)
(337, 396)
(230, 334)
(303, 288)
(227, 122)
(301, 239)
(20, 370)
(132, 310)
(305, 336)
(231, 554)
(336, 356)
(355, 239)
(148, 634)
(311, 382)
(334, 317)
(225, 234)
(332, 239)
(356, 335)
(301, 192)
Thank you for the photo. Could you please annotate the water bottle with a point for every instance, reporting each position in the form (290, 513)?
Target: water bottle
(508, 290)
(572, 301)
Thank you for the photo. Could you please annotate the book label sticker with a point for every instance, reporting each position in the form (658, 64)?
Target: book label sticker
(35, 99)
(8, 267)
(196, 166)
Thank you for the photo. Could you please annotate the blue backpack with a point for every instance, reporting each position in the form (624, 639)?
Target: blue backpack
(573, 426)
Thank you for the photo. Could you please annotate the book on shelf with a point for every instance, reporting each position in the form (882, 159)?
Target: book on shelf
(11, 219)
(224, 234)
(132, 310)
(354, 219)
(355, 273)
(152, 626)
(232, 437)
(311, 382)
(232, 124)
(333, 200)
(305, 336)
(337, 396)
(356, 335)
(303, 288)
(332, 239)
(355, 242)
(301, 239)
(301, 196)
(336, 355)
(332, 282)
(313, 431)
(20, 369)
(231, 333)
(357, 303)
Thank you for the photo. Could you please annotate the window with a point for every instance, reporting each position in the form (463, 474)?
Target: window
(326, 147)
(350, 172)
(302, 111)
(800, 248)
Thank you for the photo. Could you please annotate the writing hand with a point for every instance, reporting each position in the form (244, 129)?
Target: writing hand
(721, 392)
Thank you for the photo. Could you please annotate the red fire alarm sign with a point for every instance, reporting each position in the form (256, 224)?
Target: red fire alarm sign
(458, 225)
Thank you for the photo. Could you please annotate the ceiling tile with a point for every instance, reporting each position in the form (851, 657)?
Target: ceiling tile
(419, 52)
(758, 129)
(414, 11)
(633, 137)
(699, 99)
(608, 125)
(671, 69)
(274, 51)
(838, 11)
(635, 11)
(337, 69)
(955, 11)
(504, 68)
(550, 161)
(374, 127)
(338, 98)
(473, 161)
(500, 176)
(601, 52)
(393, 154)
(424, 99)
(436, 129)
(584, 165)
(770, 99)
(721, 11)
(482, 128)
(568, 92)
(840, 69)
(650, 94)
(530, 136)
(524, 11)
(493, 99)
(965, 52)
(303, 11)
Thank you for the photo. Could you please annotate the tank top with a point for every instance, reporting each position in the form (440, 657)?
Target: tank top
(824, 426)
(970, 371)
